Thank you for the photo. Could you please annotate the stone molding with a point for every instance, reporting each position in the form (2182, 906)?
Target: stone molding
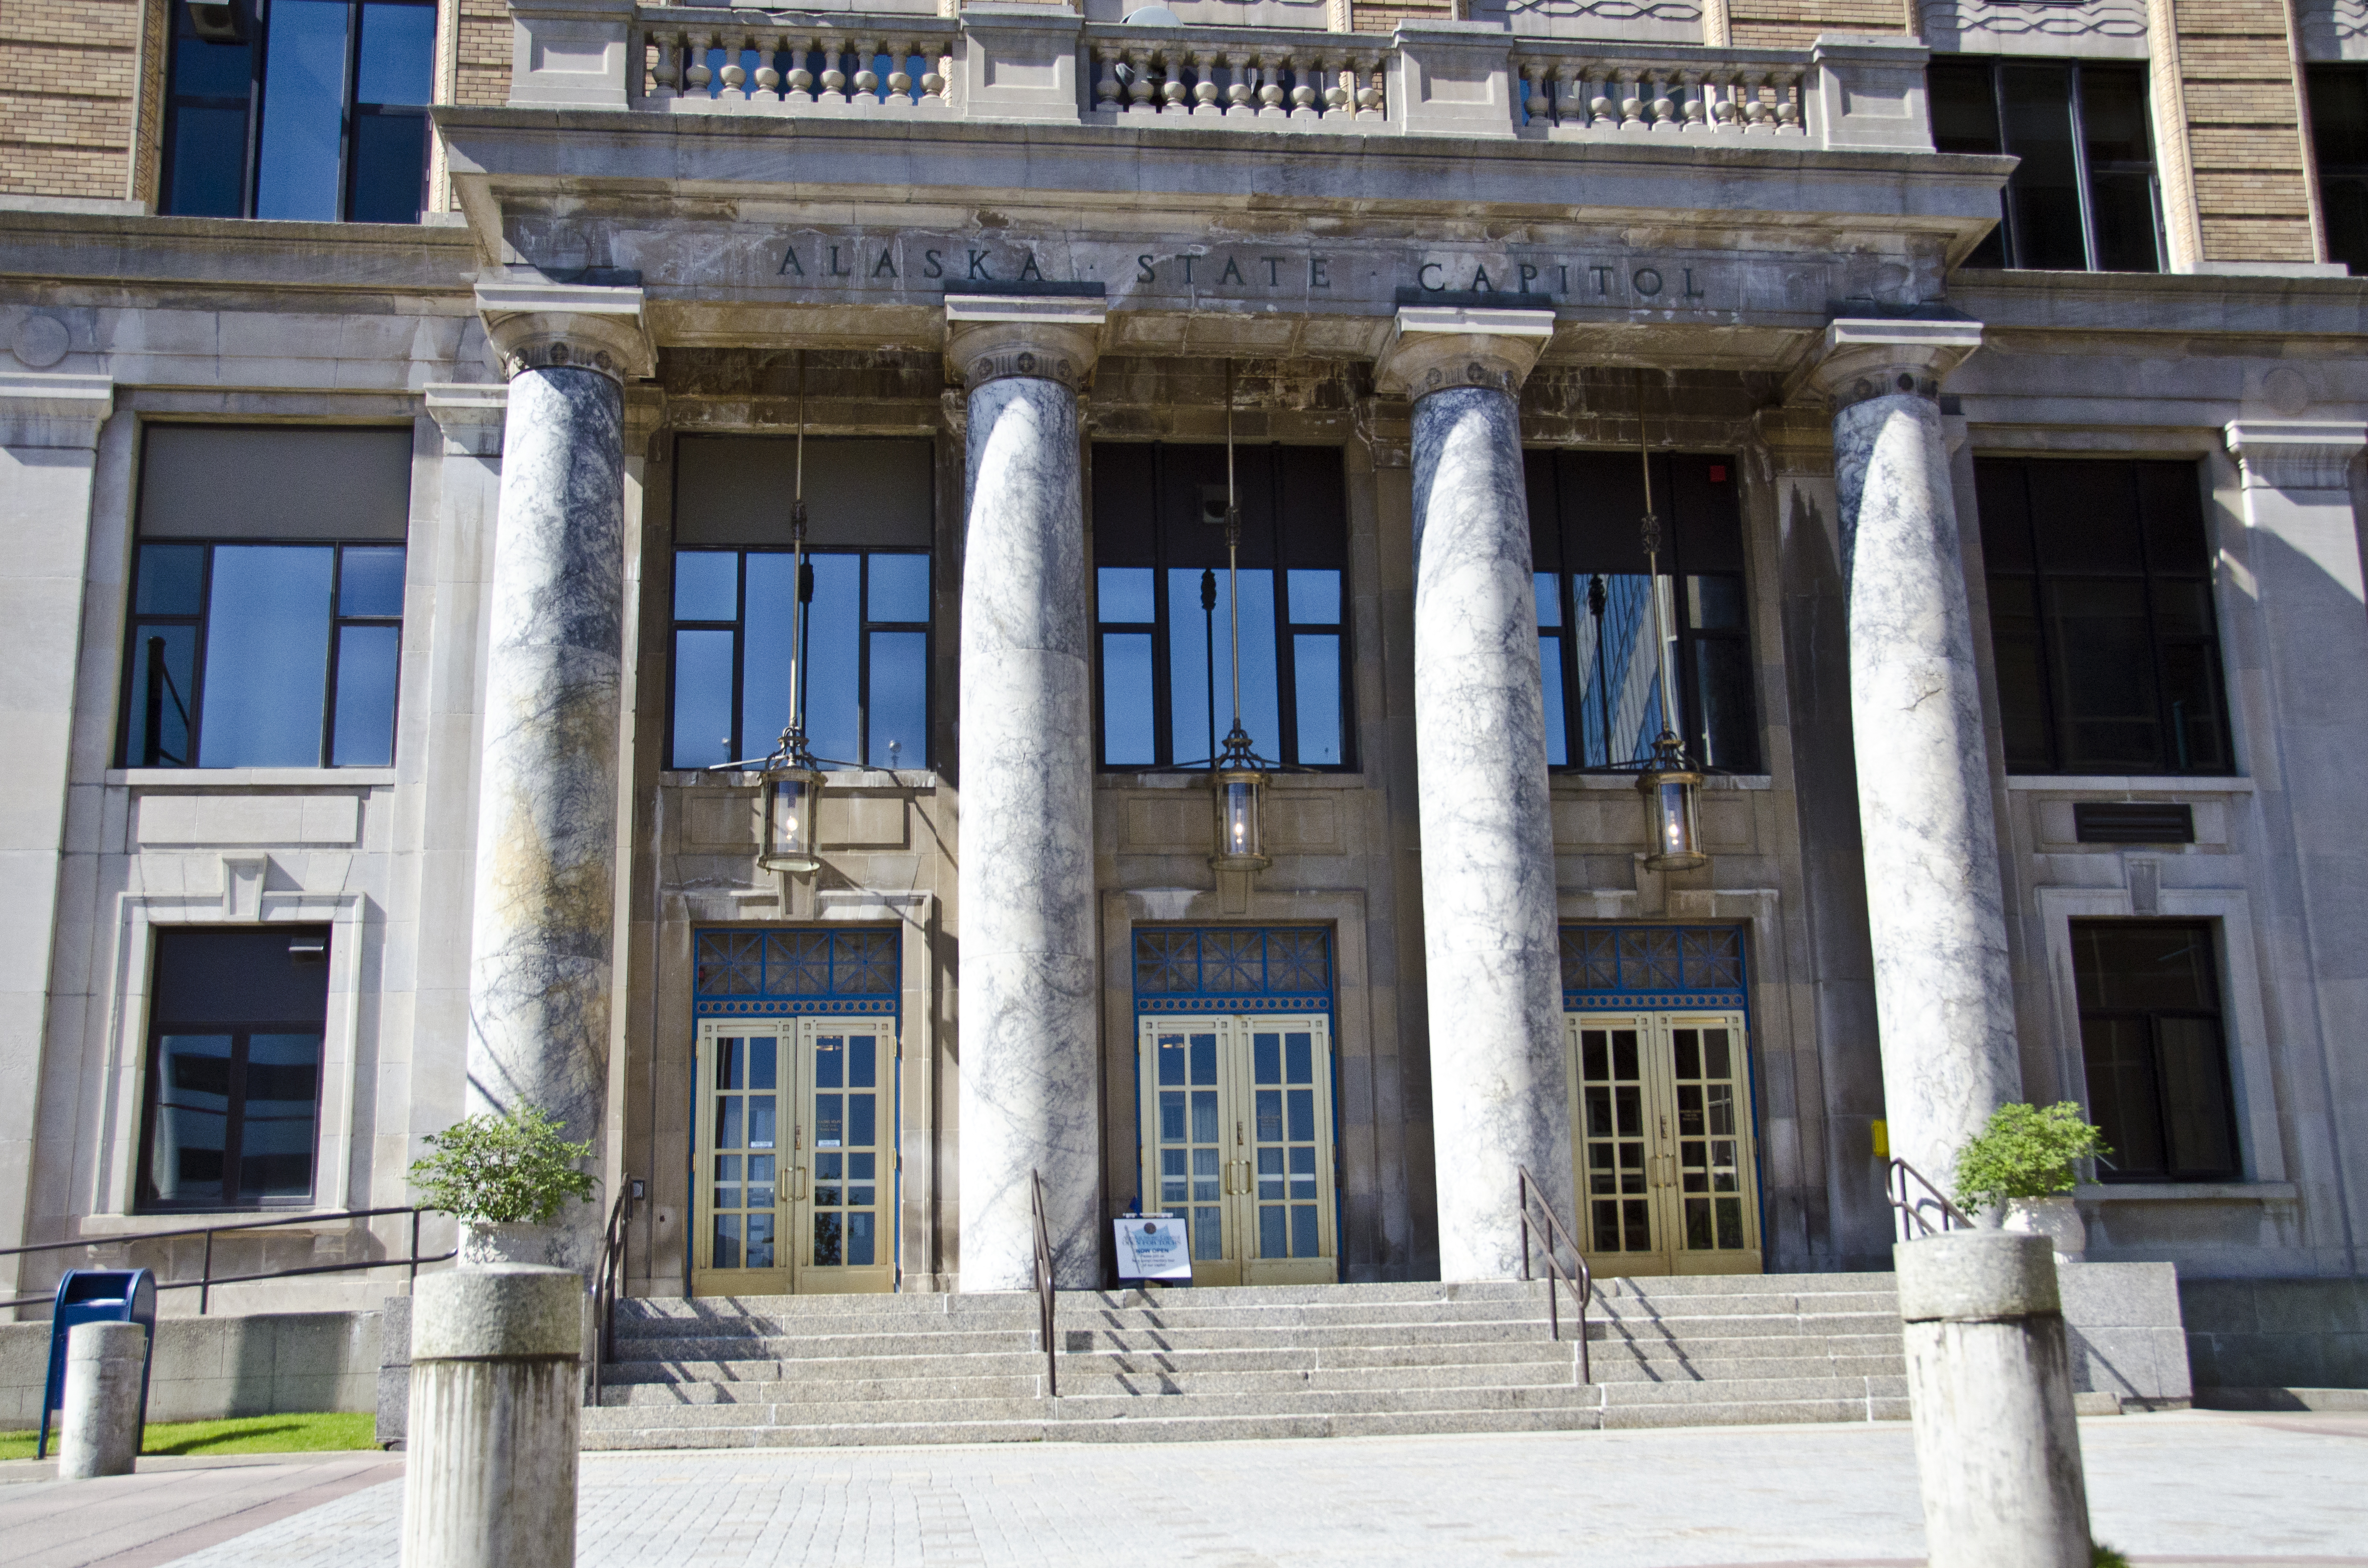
(1860, 360)
(571, 53)
(54, 410)
(2296, 454)
(1048, 338)
(470, 414)
(1434, 347)
(535, 326)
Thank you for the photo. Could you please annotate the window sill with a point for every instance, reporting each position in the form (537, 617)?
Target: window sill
(840, 778)
(251, 778)
(2136, 784)
(132, 1227)
(2186, 1192)
(1573, 779)
(1198, 779)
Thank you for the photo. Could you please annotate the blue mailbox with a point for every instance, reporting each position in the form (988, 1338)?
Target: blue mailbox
(97, 1295)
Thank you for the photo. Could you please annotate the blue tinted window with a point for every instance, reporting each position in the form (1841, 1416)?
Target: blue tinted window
(267, 647)
(304, 110)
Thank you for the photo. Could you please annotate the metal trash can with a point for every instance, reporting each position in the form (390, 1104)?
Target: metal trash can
(97, 1295)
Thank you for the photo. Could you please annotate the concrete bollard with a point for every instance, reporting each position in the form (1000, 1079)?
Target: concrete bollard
(1989, 1384)
(104, 1363)
(495, 1407)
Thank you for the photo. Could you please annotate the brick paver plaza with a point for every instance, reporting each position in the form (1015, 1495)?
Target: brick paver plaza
(2190, 1488)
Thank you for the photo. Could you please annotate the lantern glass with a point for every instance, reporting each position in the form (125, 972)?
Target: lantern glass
(1239, 847)
(790, 796)
(1670, 800)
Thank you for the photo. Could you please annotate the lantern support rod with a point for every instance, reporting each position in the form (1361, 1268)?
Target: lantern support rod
(1669, 744)
(1233, 551)
(793, 737)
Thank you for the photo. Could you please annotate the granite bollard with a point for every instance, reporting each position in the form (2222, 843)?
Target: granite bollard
(105, 1366)
(1989, 1384)
(495, 1407)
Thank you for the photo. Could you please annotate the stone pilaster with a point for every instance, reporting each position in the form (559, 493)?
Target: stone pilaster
(1031, 1036)
(1499, 1095)
(1935, 911)
(540, 958)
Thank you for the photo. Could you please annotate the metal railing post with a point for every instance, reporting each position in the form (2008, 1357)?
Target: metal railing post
(206, 1277)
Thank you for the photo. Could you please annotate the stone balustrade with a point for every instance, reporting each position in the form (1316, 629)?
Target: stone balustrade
(1048, 65)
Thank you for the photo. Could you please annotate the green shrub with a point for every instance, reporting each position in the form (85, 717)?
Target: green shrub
(2025, 1152)
(2103, 1556)
(499, 1169)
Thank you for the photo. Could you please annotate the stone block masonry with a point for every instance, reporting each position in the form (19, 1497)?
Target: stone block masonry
(210, 1368)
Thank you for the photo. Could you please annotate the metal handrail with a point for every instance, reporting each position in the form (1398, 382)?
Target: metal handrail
(1896, 1177)
(206, 1279)
(1043, 1282)
(608, 1282)
(1532, 1199)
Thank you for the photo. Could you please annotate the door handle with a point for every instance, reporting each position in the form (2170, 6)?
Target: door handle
(797, 1182)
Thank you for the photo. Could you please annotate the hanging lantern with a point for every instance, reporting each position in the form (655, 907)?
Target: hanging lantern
(1672, 789)
(1239, 847)
(792, 789)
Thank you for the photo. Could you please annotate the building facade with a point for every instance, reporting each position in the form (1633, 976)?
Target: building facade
(1946, 422)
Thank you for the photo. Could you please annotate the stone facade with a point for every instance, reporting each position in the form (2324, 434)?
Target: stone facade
(1022, 270)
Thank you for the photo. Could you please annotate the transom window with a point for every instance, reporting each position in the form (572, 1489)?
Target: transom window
(865, 667)
(2101, 622)
(267, 621)
(2157, 1062)
(2338, 131)
(234, 1086)
(1595, 609)
(300, 109)
(2083, 198)
(1164, 610)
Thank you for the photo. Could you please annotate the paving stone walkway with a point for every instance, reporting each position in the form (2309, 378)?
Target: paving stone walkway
(2193, 1489)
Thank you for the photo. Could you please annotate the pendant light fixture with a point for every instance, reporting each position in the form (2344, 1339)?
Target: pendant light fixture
(1238, 773)
(1670, 784)
(791, 783)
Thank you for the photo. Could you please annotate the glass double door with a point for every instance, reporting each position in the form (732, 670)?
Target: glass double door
(1237, 1118)
(1661, 1139)
(795, 1164)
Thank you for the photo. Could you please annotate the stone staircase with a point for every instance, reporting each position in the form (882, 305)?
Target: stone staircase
(1308, 1361)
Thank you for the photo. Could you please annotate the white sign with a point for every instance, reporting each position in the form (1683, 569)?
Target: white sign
(1153, 1248)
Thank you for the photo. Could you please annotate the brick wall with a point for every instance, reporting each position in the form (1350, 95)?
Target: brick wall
(2244, 138)
(67, 71)
(1793, 24)
(484, 77)
(1386, 16)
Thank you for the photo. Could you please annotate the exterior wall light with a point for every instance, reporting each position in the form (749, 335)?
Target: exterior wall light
(1671, 783)
(792, 790)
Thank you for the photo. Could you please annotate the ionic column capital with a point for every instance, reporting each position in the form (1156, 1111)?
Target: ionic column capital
(2296, 454)
(537, 327)
(1434, 347)
(1045, 337)
(1858, 359)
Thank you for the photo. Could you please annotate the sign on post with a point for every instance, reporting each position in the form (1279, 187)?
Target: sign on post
(1152, 1246)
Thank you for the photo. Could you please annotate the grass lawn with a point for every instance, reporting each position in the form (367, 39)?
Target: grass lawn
(244, 1435)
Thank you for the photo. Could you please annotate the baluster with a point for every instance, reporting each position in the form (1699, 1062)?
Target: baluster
(700, 74)
(1726, 114)
(1535, 99)
(834, 74)
(933, 76)
(1629, 83)
(1339, 97)
(1205, 91)
(1665, 108)
(1306, 94)
(1270, 93)
(1694, 114)
(1788, 104)
(1748, 106)
(1106, 82)
(797, 82)
(766, 76)
(1239, 93)
(733, 76)
(1138, 86)
(865, 82)
(1569, 103)
(668, 69)
(900, 81)
(1175, 92)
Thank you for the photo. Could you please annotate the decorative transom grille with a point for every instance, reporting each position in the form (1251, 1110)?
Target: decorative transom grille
(1232, 968)
(1665, 965)
(744, 974)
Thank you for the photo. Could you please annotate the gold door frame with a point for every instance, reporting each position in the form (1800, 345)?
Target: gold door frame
(1664, 1162)
(1256, 1153)
(808, 1166)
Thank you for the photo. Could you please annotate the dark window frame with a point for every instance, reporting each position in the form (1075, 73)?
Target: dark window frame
(2210, 933)
(745, 740)
(1575, 608)
(2340, 151)
(136, 650)
(2004, 246)
(1282, 748)
(255, 19)
(2052, 698)
(242, 1032)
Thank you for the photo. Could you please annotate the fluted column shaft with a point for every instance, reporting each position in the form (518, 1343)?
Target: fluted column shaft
(1030, 1034)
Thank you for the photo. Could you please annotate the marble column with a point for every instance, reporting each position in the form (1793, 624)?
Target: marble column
(1491, 949)
(1945, 1001)
(543, 920)
(1030, 1032)
(50, 452)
